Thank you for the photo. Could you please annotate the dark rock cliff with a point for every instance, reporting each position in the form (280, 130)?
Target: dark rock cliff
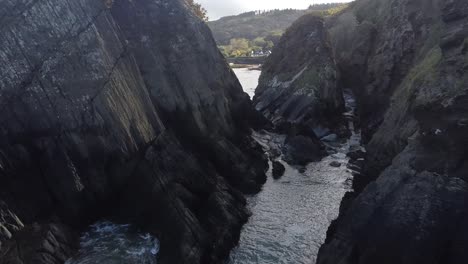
(298, 82)
(122, 109)
(298, 90)
(407, 63)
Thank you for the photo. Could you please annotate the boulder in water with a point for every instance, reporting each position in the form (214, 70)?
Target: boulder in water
(278, 170)
(355, 155)
(300, 150)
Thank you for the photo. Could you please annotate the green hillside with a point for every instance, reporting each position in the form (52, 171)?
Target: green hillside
(257, 30)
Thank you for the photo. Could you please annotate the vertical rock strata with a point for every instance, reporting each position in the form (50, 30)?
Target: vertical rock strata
(120, 109)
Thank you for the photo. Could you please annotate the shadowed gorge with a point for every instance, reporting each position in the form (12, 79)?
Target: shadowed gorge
(126, 137)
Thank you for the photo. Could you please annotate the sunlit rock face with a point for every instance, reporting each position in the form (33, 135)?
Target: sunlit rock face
(123, 109)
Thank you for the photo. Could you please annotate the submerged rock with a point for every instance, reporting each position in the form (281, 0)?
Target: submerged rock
(335, 164)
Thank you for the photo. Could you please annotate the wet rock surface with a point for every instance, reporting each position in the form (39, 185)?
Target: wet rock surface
(278, 170)
(300, 150)
(99, 114)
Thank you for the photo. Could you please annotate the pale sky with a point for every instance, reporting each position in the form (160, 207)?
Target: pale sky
(220, 8)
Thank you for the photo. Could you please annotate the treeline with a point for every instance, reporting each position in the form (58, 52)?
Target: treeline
(239, 47)
(319, 7)
(257, 30)
(250, 26)
(198, 9)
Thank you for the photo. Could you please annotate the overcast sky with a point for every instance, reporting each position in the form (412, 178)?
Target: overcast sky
(220, 8)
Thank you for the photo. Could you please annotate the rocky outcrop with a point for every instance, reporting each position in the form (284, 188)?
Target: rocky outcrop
(121, 109)
(302, 149)
(406, 62)
(40, 243)
(298, 82)
(278, 170)
(298, 90)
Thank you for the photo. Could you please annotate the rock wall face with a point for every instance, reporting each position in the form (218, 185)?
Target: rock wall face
(120, 109)
(298, 82)
(406, 61)
(376, 45)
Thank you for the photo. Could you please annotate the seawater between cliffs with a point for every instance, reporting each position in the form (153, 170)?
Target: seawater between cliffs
(248, 79)
(291, 216)
(110, 243)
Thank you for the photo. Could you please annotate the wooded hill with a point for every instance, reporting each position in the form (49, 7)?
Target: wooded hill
(257, 30)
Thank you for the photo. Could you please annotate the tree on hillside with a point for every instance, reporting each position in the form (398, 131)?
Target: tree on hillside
(198, 10)
(240, 44)
(239, 47)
